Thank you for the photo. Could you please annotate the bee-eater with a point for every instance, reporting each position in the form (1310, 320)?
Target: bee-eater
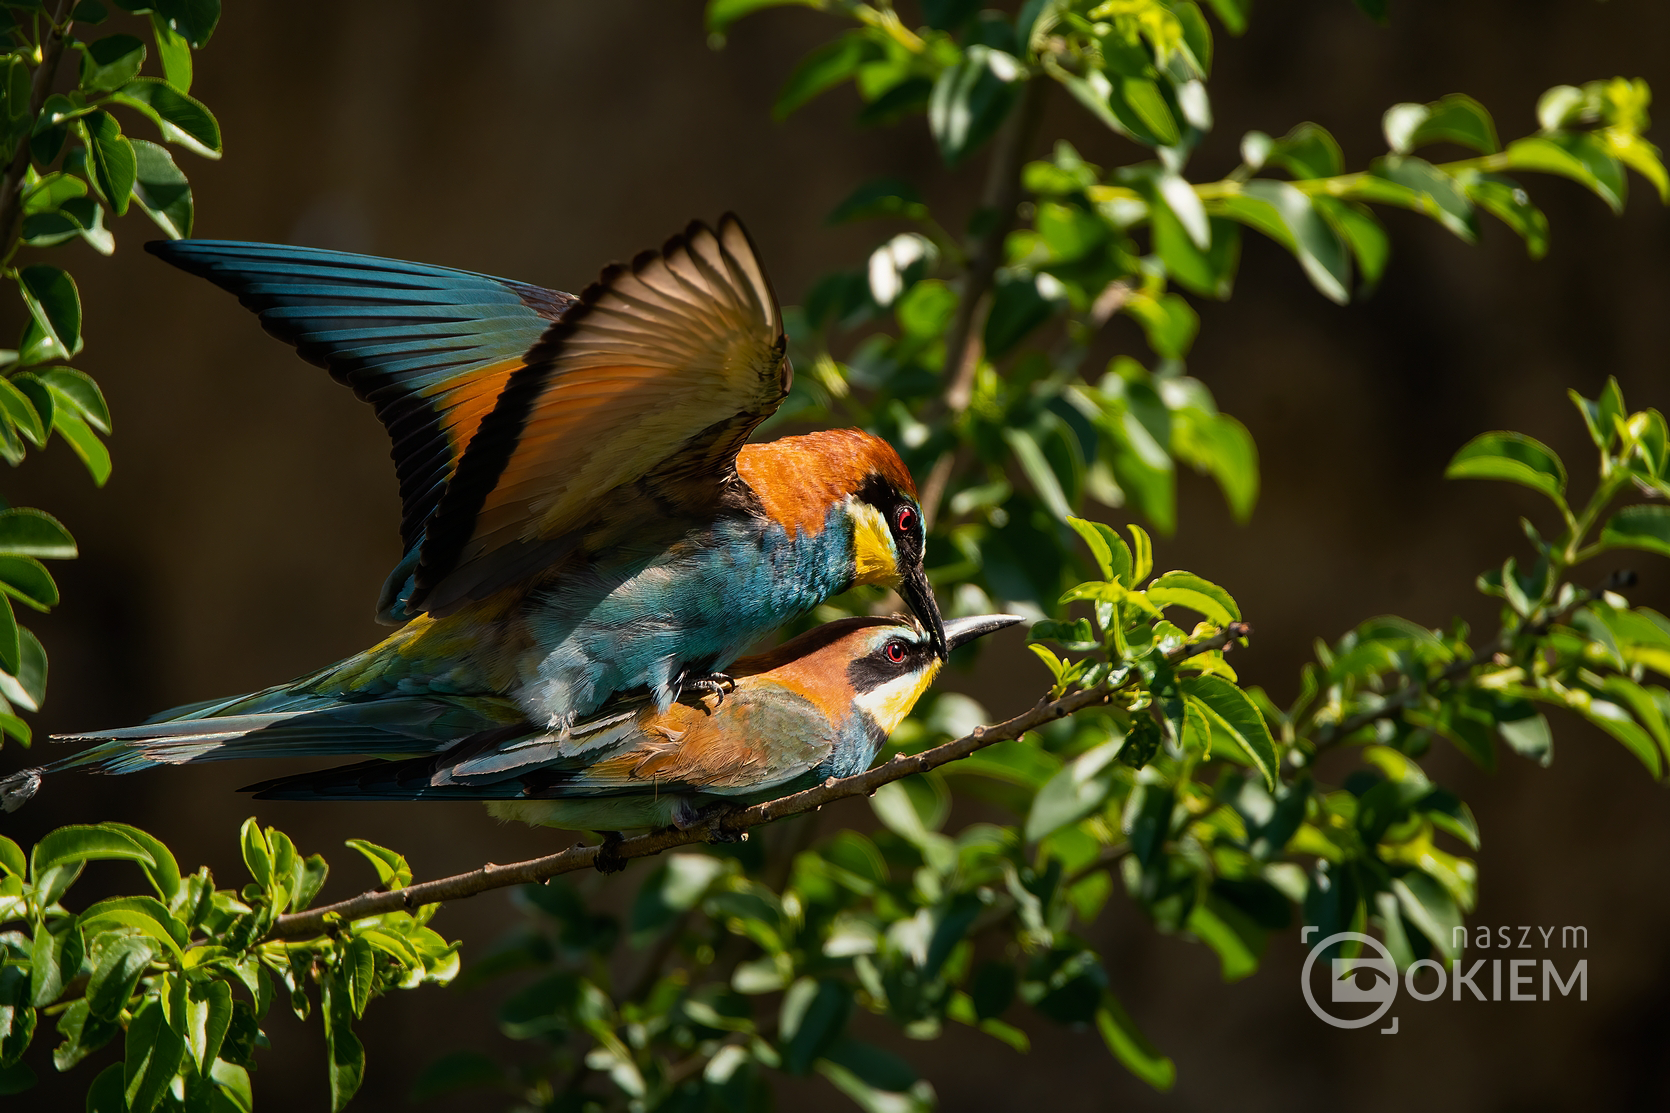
(581, 514)
(817, 706)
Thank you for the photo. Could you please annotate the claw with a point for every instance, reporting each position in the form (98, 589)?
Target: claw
(711, 689)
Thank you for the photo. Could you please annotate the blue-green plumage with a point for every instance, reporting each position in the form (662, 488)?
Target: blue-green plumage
(582, 518)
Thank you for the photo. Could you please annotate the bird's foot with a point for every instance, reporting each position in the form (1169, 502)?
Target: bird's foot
(711, 689)
(711, 817)
(608, 858)
(565, 728)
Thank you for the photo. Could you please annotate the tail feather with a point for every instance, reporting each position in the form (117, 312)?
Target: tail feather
(389, 728)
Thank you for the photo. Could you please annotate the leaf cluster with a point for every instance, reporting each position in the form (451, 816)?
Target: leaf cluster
(183, 974)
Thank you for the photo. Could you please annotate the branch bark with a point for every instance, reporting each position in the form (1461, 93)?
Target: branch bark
(727, 827)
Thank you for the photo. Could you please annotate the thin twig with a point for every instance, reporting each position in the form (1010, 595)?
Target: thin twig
(1412, 689)
(729, 826)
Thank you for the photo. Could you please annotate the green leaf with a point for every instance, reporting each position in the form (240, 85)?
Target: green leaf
(83, 843)
(1113, 556)
(1142, 554)
(181, 119)
(1601, 416)
(55, 307)
(1435, 192)
(722, 13)
(824, 68)
(1308, 151)
(1142, 96)
(1426, 904)
(55, 960)
(105, 1094)
(174, 53)
(1081, 787)
(27, 580)
(110, 63)
(192, 20)
(1038, 471)
(162, 190)
(1513, 457)
(21, 413)
(1185, 589)
(113, 161)
(346, 1052)
(154, 1052)
(1131, 1047)
(52, 191)
(25, 686)
(1209, 273)
(1582, 158)
(1233, 711)
(1232, 13)
(77, 392)
(1456, 118)
(162, 871)
(1646, 526)
(1169, 323)
(257, 853)
(85, 443)
(813, 1017)
(391, 867)
(1504, 199)
(210, 1009)
(27, 532)
(12, 860)
(11, 640)
(121, 964)
(1320, 253)
(970, 100)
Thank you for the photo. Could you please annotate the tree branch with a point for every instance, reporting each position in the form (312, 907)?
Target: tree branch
(726, 827)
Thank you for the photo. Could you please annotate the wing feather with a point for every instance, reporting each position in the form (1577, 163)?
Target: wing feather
(663, 366)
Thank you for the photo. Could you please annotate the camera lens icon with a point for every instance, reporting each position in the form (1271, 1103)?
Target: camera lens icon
(1344, 988)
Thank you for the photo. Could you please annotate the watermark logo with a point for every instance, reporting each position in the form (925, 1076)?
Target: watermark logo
(1362, 990)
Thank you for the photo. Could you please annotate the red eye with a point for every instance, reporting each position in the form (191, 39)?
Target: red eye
(896, 652)
(905, 519)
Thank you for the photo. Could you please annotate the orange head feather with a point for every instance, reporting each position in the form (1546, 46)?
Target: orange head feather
(797, 479)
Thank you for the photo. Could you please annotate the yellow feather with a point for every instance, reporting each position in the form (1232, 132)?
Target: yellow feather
(875, 559)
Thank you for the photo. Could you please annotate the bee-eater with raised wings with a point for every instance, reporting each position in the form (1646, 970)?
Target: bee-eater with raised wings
(820, 705)
(581, 513)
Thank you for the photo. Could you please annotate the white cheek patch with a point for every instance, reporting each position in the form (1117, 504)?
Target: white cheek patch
(889, 704)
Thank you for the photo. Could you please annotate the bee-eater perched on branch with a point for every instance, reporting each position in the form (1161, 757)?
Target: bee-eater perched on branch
(817, 706)
(581, 516)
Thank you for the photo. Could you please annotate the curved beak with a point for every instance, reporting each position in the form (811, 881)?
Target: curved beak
(919, 596)
(961, 631)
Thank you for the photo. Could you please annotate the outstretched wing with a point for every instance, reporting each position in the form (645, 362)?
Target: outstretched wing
(430, 348)
(655, 378)
(518, 414)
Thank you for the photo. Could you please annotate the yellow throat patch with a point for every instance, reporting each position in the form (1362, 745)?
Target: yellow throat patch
(875, 561)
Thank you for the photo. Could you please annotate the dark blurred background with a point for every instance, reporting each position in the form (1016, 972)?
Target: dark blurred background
(251, 516)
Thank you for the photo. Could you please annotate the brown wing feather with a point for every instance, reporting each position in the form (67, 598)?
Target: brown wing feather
(662, 370)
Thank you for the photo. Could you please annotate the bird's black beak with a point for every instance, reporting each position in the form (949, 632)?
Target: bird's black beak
(961, 631)
(915, 590)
